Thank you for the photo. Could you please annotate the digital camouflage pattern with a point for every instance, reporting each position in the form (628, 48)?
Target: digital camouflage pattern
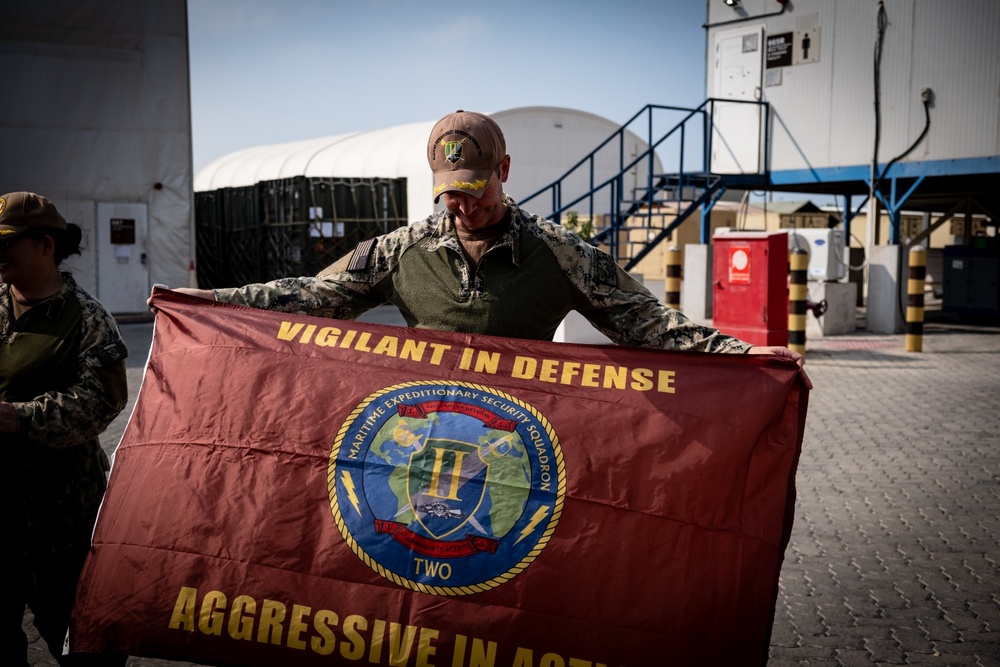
(61, 365)
(523, 287)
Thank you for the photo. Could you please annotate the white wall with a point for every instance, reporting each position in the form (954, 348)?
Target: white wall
(99, 111)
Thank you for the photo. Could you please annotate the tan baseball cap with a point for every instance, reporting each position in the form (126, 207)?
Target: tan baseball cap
(21, 211)
(464, 150)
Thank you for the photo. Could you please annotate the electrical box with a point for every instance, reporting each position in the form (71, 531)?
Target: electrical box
(750, 286)
(971, 280)
(827, 259)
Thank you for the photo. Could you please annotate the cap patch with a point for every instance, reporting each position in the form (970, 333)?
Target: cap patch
(453, 151)
(448, 143)
(3, 204)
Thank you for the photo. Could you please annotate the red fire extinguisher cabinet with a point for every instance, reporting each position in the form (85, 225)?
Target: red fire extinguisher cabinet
(750, 286)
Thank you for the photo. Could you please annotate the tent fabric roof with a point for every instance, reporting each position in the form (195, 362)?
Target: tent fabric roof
(544, 143)
(386, 153)
(379, 153)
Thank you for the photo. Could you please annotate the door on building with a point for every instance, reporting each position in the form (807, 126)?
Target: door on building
(122, 272)
(738, 75)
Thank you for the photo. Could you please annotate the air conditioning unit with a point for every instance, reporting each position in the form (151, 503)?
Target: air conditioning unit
(827, 256)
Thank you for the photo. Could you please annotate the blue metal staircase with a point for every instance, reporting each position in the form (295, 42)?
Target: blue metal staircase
(630, 220)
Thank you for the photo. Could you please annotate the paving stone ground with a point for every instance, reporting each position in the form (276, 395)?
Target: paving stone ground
(896, 543)
(895, 552)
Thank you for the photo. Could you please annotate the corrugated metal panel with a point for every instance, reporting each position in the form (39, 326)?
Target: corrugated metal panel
(900, 103)
(851, 138)
(956, 52)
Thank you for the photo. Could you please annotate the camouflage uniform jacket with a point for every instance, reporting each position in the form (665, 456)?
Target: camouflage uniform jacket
(61, 366)
(523, 287)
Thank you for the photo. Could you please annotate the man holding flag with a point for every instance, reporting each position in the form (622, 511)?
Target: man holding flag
(296, 489)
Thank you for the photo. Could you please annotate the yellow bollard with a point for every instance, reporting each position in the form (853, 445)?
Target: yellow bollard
(673, 286)
(915, 299)
(798, 298)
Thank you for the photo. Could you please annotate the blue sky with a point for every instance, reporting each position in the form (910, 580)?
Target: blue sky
(264, 71)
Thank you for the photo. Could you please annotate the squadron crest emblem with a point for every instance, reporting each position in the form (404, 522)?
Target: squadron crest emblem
(446, 487)
(453, 150)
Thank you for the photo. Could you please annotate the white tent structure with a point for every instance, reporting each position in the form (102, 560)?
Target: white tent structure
(97, 118)
(544, 142)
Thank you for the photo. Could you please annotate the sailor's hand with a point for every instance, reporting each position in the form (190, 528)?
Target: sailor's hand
(787, 353)
(190, 291)
(200, 293)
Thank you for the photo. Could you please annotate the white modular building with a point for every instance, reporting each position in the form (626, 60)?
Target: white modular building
(852, 82)
(888, 104)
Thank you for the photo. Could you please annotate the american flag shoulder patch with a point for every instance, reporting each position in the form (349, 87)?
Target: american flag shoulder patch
(362, 253)
(111, 352)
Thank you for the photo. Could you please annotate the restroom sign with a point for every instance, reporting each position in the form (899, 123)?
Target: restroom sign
(739, 265)
(806, 47)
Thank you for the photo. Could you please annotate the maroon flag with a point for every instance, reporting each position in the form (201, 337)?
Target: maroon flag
(293, 490)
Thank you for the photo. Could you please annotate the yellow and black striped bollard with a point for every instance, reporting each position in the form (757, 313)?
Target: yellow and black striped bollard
(798, 299)
(915, 299)
(673, 284)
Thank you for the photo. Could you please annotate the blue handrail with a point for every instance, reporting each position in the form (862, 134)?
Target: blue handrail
(621, 207)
